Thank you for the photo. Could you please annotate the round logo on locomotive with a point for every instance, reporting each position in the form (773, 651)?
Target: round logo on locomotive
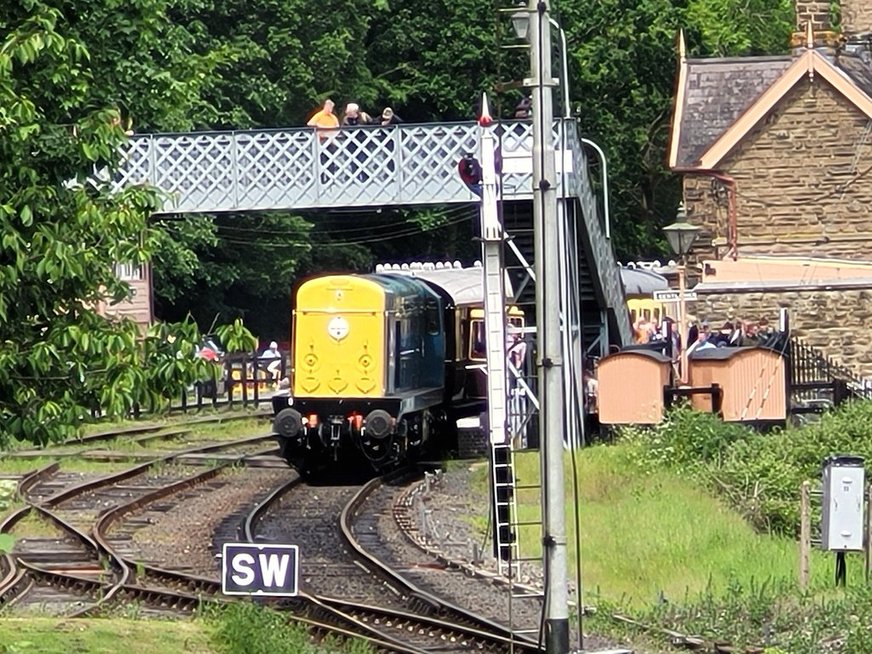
(338, 328)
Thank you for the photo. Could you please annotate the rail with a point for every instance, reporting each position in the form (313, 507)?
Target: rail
(809, 365)
(598, 247)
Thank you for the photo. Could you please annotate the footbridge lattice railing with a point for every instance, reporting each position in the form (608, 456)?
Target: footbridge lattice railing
(375, 166)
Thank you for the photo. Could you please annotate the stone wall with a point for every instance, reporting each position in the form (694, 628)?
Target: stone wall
(856, 16)
(834, 321)
(801, 188)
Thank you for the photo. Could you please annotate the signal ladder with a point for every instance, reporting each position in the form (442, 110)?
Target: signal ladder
(507, 527)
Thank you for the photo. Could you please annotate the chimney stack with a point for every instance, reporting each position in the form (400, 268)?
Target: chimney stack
(815, 11)
(814, 14)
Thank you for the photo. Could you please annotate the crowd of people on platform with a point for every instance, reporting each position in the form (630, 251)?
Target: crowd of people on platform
(701, 335)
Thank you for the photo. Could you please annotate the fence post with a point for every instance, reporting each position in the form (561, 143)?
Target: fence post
(717, 398)
(868, 542)
(246, 363)
(804, 535)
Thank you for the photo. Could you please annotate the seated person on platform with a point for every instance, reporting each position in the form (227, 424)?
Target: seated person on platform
(273, 357)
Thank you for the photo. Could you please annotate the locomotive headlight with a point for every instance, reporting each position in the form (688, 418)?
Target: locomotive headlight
(378, 423)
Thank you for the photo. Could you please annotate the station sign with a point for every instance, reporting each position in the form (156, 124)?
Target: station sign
(674, 296)
(264, 570)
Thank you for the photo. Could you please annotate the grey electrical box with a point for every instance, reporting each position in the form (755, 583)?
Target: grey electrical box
(842, 515)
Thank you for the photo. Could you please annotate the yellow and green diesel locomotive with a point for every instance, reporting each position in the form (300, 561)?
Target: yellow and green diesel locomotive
(382, 364)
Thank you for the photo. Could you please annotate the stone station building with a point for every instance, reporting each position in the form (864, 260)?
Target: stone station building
(775, 153)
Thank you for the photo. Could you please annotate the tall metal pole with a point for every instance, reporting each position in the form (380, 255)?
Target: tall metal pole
(682, 318)
(549, 359)
(567, 113)
(564, 68)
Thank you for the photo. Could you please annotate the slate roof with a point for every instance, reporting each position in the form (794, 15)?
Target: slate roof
(858, 70)
(716, 92)
(638, 281)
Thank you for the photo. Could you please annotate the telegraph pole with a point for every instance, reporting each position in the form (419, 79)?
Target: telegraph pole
(549, 358)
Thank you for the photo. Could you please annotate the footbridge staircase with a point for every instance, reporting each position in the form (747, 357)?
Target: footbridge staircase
(401, 165)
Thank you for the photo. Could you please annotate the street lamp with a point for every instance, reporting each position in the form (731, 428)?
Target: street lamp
(521, 25)
(681, 235)
(521, 21)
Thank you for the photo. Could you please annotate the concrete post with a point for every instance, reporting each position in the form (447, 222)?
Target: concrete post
(549, 357)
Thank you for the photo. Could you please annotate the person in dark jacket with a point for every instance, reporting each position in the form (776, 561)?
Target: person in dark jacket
(354, 116)
(524, 108)
(388, 117)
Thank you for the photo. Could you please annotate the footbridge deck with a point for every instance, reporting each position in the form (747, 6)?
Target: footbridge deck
(407, 164)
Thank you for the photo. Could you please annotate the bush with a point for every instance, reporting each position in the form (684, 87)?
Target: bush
(759, 474)
(247, 628)
(685, 440)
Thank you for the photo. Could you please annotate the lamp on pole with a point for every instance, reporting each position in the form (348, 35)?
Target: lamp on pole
(681, 235)
(549, 357)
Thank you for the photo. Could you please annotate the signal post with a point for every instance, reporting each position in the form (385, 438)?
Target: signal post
(549, 357)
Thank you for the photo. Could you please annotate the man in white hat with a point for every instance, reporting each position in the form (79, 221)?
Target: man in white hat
(388, 117)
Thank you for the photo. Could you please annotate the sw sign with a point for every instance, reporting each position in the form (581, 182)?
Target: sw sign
(248, 569)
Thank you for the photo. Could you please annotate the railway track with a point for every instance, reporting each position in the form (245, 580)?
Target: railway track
(68, 572)
(374, 602)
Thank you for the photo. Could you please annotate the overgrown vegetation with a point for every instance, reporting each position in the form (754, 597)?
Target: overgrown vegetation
(691, 526)
(757, 474)
(656, 536)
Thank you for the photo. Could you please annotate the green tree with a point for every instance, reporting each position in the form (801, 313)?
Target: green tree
(729, 28)
(61, 228)
(275, 61)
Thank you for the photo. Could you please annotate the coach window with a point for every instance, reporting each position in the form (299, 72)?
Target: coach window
(477, 342)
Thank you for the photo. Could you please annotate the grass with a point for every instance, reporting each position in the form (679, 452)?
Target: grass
(246, 628)
(650, 536)
(14, 466)
(98, 636)
(166, 420)
(34, 525)
(237, 628)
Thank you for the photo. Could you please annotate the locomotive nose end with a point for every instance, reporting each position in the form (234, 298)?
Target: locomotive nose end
(288, 423)
(379, 423)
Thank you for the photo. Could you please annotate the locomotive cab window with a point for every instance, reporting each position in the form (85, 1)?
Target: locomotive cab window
(433, 322)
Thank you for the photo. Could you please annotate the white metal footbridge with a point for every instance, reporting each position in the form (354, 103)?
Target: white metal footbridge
(407, 164)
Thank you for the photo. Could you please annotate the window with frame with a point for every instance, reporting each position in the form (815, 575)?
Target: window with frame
(129, 272)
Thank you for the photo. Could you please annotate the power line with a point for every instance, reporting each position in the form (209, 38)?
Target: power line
(388, 234)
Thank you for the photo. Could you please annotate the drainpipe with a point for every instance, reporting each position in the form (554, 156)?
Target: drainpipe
(732, 219)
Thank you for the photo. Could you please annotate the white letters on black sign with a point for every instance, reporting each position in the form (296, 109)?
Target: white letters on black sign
(248, 569)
